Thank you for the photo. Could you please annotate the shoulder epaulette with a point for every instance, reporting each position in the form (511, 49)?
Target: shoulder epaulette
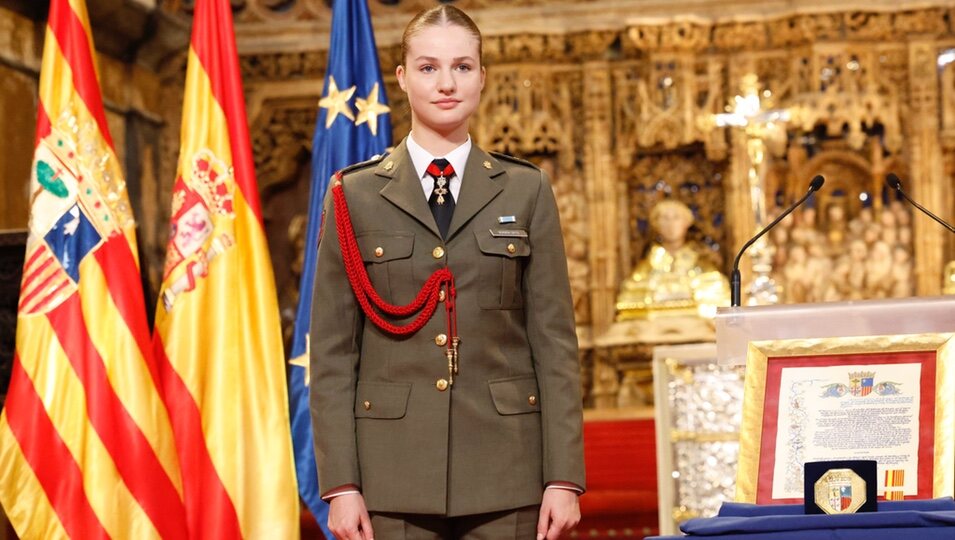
(513, 159)
(361, 165)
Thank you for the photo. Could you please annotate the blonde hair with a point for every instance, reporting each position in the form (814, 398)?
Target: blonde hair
(443, 15)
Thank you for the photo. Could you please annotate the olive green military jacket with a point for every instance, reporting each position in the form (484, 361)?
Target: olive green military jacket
(382, 415)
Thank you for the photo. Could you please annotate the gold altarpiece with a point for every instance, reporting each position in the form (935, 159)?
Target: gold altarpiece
(618, 117)
(613, 97)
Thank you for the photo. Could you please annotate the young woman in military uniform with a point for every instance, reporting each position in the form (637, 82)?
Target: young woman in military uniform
(445, 393)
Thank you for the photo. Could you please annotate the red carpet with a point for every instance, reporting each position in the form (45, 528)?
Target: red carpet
(621, 498)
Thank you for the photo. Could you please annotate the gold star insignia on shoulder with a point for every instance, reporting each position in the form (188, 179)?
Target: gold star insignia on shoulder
(487, 164)
(369, 108)
(336, 102)
(390, 165)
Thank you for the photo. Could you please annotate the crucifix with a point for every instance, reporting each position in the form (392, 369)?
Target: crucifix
(757, 125)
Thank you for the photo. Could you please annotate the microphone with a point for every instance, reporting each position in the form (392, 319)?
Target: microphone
(893, 182)
(814, 186)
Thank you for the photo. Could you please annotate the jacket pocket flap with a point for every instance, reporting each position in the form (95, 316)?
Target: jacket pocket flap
(379, 247)
(515, 395)
(505, 246)
(381, 399)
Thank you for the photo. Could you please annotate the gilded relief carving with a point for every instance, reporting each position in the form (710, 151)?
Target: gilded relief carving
(689, 178)
(526, 111)
(573, 211)
(17, 44)
(296, 10)
(280, 133)
(524, 47)
(741, 35)
(619, 115)
(667, 78)
(854, 241)
(283, 66)
(659, 102)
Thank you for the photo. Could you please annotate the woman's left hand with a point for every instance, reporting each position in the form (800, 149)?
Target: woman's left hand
(559, 513)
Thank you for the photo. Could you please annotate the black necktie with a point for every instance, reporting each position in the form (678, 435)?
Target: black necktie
(441, 200)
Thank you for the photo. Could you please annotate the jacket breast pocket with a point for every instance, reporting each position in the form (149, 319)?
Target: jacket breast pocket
(382, 400)
(387, 257)
(504, 255)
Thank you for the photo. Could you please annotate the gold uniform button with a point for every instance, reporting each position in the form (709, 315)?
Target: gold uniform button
(367, 405)
(532, 400)
(440, 340)
(441, 385)
(437, 252)
(511, 248)
(379, 251)
(441, 296)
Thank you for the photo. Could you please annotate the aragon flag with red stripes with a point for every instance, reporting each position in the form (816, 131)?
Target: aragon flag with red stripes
(86, 445)
(217, 335)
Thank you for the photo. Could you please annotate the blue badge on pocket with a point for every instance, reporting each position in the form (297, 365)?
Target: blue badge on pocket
(506, 219)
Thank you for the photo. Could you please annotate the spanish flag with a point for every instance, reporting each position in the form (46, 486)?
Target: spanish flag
(86, 446)
(217, 334)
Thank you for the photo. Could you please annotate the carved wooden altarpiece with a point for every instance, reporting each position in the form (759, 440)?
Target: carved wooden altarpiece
(615, 104)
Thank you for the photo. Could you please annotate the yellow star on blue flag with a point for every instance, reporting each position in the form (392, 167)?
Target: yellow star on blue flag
(353, 73)
(369, 109)
(336, 101)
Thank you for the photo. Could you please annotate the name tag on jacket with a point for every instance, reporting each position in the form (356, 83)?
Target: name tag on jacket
(508, 233)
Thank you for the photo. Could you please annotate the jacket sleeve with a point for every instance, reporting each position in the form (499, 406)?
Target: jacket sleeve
(552, 334)
(335, 346)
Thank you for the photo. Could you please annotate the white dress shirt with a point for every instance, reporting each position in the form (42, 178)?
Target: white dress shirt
(421, 158)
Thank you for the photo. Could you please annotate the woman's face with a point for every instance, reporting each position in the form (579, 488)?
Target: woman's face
(443, 77)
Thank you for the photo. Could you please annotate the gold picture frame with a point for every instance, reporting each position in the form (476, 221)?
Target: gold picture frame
(761, 353)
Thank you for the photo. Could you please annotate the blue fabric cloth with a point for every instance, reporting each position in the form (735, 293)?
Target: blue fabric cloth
(732, 509)
(353, 66)
(924, 520)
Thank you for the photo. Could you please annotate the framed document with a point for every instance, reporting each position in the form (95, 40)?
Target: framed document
(885, 398)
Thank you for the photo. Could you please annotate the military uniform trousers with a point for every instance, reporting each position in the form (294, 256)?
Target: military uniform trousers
(518, 524)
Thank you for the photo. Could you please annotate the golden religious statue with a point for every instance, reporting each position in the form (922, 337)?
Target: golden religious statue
(674, 278)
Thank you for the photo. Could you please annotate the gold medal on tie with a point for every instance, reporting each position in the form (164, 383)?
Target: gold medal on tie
(441, 191)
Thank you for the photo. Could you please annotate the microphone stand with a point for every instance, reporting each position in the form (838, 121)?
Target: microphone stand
(893, 182)
(814, 186)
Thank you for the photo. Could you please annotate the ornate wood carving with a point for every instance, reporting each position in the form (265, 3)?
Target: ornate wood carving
(603, 191)
(18, 46)
(525, 111)
(849, 244)
(611, 102)
(927, 181)
(686, 176)
(282, 130)
(615, 113)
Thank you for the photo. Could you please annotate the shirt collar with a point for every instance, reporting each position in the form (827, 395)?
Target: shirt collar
(421, 158)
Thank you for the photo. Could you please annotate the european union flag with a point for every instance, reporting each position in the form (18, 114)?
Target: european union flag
(353, 125)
